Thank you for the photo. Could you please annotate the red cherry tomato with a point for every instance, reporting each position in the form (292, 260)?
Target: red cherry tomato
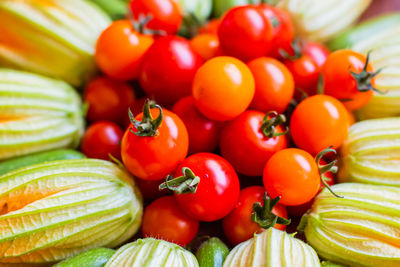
(155, 156)
(150, 189)
(245, 33)
(120, 49)
(211, 27)
(246, 146)
(206, 45)
(168, 69)
(165, 15)
(298, 211)
(355, 89)
(305, 73)
(283, 28)
(203, 133)
(163, 219)
(293, 175)
(318, 52)
(238, 225)
(319, 122)
(101, 139)
(108, 99)
(223, 88)
(274, 85)
(217, 191)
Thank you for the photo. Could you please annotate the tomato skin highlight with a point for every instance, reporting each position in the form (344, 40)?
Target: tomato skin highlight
(168, 69)
(108, 99)
(120, 50)
(338, 81)
(238, 225)
(218, 190)
(274, 85)
(163, 219)
(245, 146)
(245, 33)
(101, 139)
(318, 52)
(166, 14)
(319, 122)
(153, 158)
(204, 134)
(223, 88)
(292, 174)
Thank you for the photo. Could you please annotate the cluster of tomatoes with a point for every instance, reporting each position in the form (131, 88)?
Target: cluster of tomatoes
(244, 96)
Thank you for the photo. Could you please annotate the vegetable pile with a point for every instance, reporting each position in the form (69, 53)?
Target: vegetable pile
(216, 131)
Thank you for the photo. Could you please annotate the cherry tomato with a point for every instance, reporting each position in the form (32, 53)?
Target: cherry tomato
(163, 219)
(223, 88)
(246, 146)
(206, 45)
(293, 175)
(238, 225)
(345, 78)
(165, 15)
(155, 156)
(108, 99)
(245, 33)
(120, 49)
(217, 191)
(318, 52)
(101, 139)
(211, 27)
(298, 211)
(203, 133)
(318, 122)
(283, 28)
(150, 189)
(274, 85)
(305, 73)
(168, 69)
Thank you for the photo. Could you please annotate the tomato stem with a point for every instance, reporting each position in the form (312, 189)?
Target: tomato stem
(364, 78)
(140, 24)
(297, 46)
(330, 167)
(269, 125)
(187, 183)
(262, 214)
(148, 126)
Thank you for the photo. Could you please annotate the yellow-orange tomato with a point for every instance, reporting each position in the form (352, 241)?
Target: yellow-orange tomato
(318, 122)
(223, 88)
(274, 85)
(211, 27)
(206, 45)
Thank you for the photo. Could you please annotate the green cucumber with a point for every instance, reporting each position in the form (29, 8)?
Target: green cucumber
(92, 258)
(24, 161)
(212, 253)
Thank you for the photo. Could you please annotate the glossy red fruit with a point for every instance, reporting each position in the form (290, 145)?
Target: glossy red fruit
(153, 152)
(204, 133)
(163, 219)
(248, 141)
(102, 139)
(108, 99)
(318, 52)
(217, 187)
(245, 33)
(166, 15)
(150, 189)
(238, 225)
(168, 69)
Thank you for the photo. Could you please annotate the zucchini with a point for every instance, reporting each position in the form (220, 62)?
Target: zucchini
(96, 257)
(212, 253)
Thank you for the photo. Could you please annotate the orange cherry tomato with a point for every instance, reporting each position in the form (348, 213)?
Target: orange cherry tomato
(238, 225)
(274, 85)
(223, 88)
(293, 175)
(340, 73)
(211, 27)
(319, 122)
(206, 45)
(120, 49)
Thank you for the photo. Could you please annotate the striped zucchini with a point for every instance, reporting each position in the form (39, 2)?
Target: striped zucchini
(37, 114)
(54, 210)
